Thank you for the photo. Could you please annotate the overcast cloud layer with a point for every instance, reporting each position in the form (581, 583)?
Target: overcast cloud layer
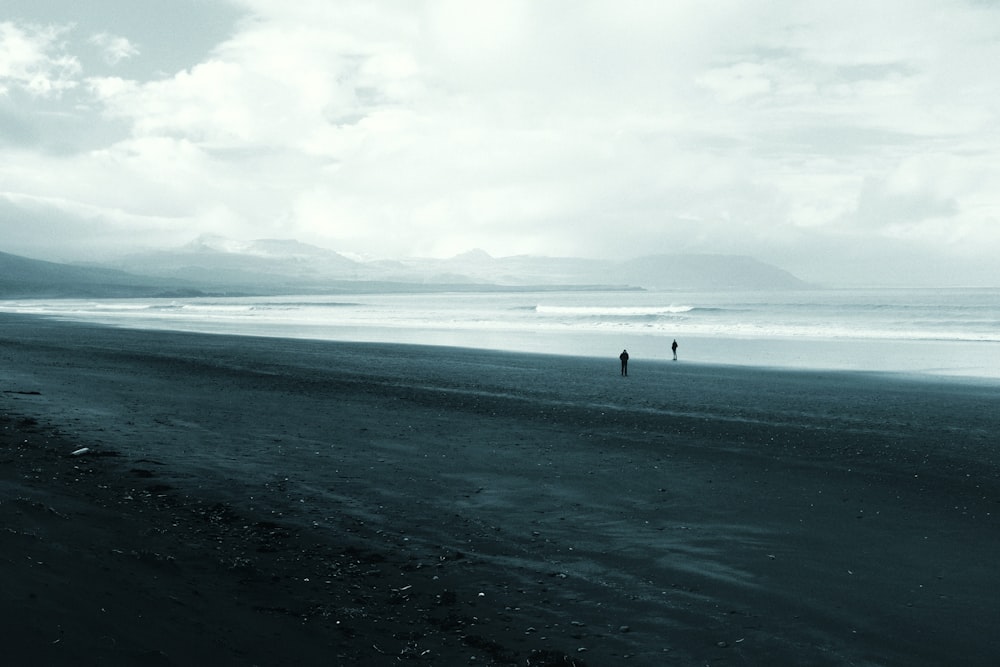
(845, 141)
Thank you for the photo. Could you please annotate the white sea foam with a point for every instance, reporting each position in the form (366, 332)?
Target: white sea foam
(613, 311)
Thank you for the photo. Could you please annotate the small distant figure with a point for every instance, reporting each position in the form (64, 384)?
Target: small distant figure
(624, 357)
(674, 348)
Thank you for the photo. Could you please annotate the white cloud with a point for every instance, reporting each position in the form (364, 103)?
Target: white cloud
(736, 82)
(587, 128)
(114, 48)
(33, 59)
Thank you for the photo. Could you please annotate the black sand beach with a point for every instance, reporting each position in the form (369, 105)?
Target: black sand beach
(250, 501)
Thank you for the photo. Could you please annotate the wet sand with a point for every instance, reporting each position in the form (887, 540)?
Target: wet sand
(264, 501)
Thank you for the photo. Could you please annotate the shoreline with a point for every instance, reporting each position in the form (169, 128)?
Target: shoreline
(938, 352)
(476, 504)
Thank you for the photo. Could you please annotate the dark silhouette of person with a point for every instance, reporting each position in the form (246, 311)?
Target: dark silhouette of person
(624, 357)
(674, 348)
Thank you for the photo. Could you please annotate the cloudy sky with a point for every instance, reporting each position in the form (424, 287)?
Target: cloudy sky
(850, 141)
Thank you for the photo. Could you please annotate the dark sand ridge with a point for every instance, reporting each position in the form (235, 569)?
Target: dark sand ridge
(265, 501)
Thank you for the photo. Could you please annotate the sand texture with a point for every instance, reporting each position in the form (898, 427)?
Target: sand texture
(251, 501)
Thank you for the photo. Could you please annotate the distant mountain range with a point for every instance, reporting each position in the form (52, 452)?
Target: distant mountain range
(21, 277)
(215, 265)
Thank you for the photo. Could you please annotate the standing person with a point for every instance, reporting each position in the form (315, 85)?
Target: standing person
(624, 357)
(674, 348)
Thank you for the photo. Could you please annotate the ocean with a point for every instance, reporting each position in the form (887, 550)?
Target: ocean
(953, 332)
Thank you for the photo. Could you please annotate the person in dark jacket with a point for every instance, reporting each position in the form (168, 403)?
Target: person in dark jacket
(624, 357)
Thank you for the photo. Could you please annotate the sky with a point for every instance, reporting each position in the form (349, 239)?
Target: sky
(850, 142)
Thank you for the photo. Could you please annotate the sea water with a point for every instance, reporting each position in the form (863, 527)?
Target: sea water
(927, 331)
